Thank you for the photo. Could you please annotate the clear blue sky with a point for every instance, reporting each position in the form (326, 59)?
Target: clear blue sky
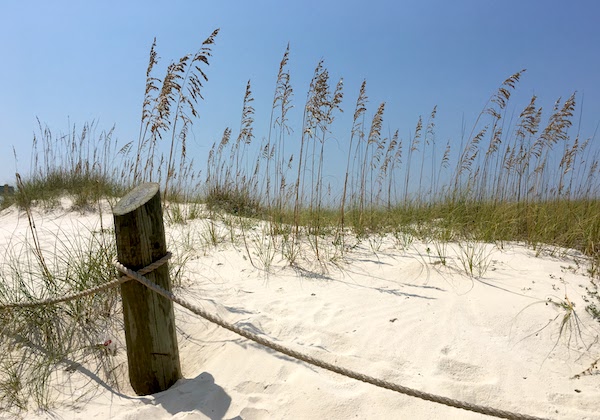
(76, 61)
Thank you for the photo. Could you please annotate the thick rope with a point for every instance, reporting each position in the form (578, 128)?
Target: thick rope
(87, 292)
(320, 363)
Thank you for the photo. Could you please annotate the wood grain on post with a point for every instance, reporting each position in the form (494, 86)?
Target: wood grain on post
(150, 334)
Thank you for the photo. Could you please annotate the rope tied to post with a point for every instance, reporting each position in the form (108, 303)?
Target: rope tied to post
(139, 276)
(100, 288)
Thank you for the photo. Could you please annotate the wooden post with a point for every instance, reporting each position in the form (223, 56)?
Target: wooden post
(150, 333)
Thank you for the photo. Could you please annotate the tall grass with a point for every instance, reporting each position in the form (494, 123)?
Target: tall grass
(528, 181)
(167, 112)
(505, 180)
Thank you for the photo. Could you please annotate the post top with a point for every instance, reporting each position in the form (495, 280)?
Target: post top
(136, 198)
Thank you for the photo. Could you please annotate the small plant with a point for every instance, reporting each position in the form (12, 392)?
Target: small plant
(594, 268)
(403, 239)
(475, 257)
(569, 324)
(439, 241)
(570, 327)
(593, 301)
(290, 247)
(441, 250)
(264, 247)
(569, 313)
(212, 234)
(376, 241)
(175, 213)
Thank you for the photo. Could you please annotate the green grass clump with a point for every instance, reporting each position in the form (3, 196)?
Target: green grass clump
(592, 298)
(80, 166)
(37, 341)
(84, 190)
(235, 202)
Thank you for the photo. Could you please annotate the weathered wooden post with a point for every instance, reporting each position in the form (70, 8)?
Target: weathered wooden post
(150, 334)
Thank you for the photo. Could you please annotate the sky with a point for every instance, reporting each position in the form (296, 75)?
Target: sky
(71, 62)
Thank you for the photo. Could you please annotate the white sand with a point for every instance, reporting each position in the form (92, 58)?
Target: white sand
(388, 312)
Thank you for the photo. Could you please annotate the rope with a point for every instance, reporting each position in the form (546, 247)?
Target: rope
(87, 292)
(320, 363)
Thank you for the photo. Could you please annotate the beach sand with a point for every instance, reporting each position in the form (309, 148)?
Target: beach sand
(387, 309)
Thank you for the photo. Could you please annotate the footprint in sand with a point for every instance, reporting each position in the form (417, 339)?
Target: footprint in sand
(325, 314)
(254, 413)
(460, 371)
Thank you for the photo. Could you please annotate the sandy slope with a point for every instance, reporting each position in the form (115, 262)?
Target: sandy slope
(388, 311)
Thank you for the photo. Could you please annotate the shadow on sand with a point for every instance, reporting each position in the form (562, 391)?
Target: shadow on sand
(200, 393)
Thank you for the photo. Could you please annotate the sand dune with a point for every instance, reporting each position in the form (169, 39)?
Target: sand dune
(389, 310)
